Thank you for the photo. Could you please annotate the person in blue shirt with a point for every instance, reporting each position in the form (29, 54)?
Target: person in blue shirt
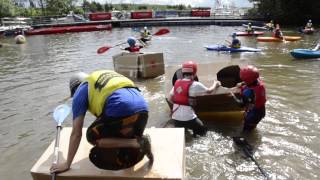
(117, 133)
(235, 42)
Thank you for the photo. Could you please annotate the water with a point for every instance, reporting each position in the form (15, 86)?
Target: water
(34, 80)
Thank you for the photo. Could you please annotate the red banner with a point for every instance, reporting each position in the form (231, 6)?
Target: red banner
(199, 13)
(141, 15)
(100, 16)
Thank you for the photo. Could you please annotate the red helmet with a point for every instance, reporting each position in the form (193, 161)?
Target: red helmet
(249, 74)
(189, 67)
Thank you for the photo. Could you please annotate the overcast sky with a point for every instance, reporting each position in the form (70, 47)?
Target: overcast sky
(210, 3)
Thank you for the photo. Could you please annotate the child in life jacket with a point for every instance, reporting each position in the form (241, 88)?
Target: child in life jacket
(253, 95)
(132, 45)
(181, 95)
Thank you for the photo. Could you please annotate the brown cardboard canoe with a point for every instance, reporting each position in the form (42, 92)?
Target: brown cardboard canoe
(167, 146)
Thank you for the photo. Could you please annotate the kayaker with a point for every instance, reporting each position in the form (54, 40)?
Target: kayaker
(277, 32)
(145, 35)
(117, 133)
(181, 95)
(253, 95)
(270, 25)
(132, 45)
(235, 42)
(309, 25)
(249, 28)
(0, 45)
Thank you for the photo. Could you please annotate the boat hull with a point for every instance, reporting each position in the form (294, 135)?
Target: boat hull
(229, 49)
(305, 54)
(255, 33)
(274, 39)
(69, 29)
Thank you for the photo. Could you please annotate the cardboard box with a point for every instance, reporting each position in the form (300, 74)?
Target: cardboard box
(126, 64)
(139, 65)
(167, 147)
(151, 65)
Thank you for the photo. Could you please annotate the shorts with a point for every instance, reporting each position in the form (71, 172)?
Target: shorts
(252, 118)
(116, 158)
(195, 125)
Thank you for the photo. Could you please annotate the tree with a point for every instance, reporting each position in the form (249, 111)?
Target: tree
(294, 12)
(7, 8)
(60, 6)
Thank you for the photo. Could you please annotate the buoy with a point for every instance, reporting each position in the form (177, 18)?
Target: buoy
(20, 39)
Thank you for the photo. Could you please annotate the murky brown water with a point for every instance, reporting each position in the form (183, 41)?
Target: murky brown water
(34, 80)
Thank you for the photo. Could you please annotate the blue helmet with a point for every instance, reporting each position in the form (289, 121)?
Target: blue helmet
(234, 34)
(131, 41)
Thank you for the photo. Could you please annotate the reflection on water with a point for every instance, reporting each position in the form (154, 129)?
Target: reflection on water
(34, 80)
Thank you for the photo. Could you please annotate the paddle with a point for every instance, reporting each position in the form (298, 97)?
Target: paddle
(247, 149)
(106, 48)
(60, 113)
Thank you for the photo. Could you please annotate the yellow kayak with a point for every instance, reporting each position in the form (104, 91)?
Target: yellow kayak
(274, 39)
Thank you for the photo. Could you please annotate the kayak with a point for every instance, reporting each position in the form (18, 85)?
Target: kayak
(255, 27)
(274, 39)
(68, 29)
(218, 47)
(308, 31)
(305, 53)
(244, 33)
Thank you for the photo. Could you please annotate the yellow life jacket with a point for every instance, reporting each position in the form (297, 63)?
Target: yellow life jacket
(145, 34)
(101, 84)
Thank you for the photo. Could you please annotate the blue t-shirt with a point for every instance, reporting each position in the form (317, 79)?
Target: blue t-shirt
(121, 103)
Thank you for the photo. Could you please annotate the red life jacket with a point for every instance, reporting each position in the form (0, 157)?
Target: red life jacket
(260, 94)
(134, 49)
(181, 91)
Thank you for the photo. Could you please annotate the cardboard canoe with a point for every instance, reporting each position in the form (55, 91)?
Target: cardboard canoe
(219, 105)
(139, 65)
(167, 147)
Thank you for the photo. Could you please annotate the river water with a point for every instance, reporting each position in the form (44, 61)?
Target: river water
(34, 80)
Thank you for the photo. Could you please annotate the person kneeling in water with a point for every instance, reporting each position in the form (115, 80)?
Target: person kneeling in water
(117, 133)
(132, 45)
(181, 95)
(253, 95)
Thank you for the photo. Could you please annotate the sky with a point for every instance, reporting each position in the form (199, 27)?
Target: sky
(194, 3)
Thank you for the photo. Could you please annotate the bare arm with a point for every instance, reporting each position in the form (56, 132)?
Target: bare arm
(214, 86)
(75, 139)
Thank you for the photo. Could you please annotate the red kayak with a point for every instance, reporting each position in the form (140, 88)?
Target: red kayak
(308, 31)
(69, 29)
(244, 33)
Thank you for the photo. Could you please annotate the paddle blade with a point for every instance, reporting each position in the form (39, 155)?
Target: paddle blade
(60, 113)
(229, 76)
(161, 32)
(103, 49)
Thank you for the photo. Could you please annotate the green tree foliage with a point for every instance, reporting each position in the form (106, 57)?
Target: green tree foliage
(7, 8)
(292, 12)
(59, 7)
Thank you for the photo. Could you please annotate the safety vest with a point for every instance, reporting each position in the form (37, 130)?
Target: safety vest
(101, 85)
(260, 94)
(145, 34)
(181, 91)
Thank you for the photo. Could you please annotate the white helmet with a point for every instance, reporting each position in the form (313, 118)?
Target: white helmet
(76, 80)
